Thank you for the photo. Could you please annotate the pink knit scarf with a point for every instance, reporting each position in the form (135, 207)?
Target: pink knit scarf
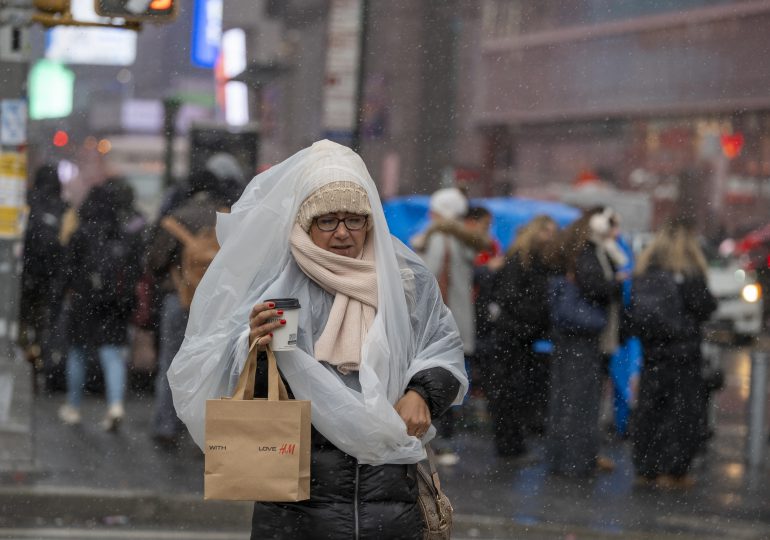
(353, 282)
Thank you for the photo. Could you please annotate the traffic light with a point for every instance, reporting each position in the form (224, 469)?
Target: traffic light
(60, 138)
(138, 10)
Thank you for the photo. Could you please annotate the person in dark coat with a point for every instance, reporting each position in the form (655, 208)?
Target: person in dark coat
(102, 265)
(666, 427)
(579, 359)
(377, 352)
(517, 376)
(42, 258)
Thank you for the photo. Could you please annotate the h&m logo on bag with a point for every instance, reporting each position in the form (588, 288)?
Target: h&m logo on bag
(284, 449)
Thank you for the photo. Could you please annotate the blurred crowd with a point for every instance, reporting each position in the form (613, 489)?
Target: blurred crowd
(555, 326)
(105, 293)
(564, 325)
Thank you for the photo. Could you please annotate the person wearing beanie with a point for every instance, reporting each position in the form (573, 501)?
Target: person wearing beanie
(378, 354)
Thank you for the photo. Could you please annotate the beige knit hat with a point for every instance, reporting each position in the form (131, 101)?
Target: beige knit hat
(340, 196)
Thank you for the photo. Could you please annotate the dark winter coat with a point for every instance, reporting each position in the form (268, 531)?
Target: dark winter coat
(103, 262)
(590, 278)
(696, 304)
(667, 427)
(350, 500)
(577, 365)
(43, 254)
(484, 286)
(521, 293)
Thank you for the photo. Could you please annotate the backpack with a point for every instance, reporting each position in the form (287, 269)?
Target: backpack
(111, 267)
(657, 307)
(198, 250)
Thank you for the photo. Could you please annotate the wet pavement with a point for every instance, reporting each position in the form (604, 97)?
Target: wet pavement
(89, 480)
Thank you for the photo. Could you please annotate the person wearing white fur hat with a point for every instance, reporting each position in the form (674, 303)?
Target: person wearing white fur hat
(449, 250)
(378, 354)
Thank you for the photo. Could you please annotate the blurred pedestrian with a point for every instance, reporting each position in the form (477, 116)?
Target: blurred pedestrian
(579, 360)
(449, 250)
(517, 375)
(377, 352)
(221, 174)
(43, 255)
(485, 265)
(197, 215)
(670, 302)
(102, 265)
(141, 339)
(625, 363)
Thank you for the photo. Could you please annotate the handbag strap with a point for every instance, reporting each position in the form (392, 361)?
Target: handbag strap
(276, 390)
(244, 390)
(177, 230)
(433, 472)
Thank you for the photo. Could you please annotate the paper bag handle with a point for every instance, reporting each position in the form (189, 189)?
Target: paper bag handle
(244, 390)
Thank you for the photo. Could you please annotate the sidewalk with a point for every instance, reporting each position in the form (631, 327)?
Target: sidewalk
(88, 478)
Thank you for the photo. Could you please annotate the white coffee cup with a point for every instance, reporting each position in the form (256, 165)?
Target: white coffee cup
(285, 337)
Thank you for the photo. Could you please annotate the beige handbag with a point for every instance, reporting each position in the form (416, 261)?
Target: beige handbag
(434, 504)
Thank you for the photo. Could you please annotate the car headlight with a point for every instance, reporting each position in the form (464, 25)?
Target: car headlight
(751, 292)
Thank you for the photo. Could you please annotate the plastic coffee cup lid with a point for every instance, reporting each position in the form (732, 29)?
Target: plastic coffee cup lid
(285, 303)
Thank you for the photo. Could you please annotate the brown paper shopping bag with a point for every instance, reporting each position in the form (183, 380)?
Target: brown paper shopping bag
(257, 449)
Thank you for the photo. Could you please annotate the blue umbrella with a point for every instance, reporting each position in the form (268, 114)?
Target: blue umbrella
(408, 216)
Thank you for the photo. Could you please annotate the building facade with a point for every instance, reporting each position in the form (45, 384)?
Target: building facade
(666, 97)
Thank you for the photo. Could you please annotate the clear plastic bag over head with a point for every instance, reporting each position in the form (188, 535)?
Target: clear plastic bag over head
(412, 331)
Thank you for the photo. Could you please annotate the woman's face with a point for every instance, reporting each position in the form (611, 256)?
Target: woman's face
(341, 240)
(547, 233)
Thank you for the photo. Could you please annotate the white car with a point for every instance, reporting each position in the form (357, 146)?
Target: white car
(739, 297)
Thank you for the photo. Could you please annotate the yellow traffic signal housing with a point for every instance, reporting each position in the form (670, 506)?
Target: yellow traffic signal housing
(52, 13)
(52, 6)
(138, 10)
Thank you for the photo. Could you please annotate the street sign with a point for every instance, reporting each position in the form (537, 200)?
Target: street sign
(13, 177)
(13, 122)
(206, 33)
(14, 36)
(87, 45)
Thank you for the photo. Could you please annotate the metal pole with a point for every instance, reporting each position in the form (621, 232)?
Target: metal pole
(170, 108)
(355, 143)
(16, 406)
(755, 444)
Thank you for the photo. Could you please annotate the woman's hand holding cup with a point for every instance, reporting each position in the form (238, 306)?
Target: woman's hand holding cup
(263, 320)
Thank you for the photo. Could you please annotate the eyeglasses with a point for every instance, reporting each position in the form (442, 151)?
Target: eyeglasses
(330, 223)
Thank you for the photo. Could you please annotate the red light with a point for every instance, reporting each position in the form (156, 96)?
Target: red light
(161, 4)
(60, 138)
(768, 261)
(732, 144)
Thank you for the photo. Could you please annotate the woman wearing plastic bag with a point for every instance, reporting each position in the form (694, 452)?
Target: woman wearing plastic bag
(378, 354)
